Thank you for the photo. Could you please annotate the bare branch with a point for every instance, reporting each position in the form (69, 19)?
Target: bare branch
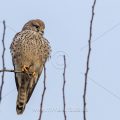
(88, 61)
(3, 59)
(43, 94)
(63, 89)
(6, 70)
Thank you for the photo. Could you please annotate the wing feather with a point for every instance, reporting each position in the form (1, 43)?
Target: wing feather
(30, 91)
(13, 53)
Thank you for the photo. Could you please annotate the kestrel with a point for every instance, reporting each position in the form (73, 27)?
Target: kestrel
(29, 50)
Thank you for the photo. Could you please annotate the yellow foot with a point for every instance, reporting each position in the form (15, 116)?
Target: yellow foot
(34, 73)
(25, 68)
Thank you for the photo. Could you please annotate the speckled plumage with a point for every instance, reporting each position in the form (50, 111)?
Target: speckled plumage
(29, 50)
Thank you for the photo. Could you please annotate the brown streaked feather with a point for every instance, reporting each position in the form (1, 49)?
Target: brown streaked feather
(33, 87)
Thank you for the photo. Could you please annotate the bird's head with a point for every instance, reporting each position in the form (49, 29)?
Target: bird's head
(35, 25)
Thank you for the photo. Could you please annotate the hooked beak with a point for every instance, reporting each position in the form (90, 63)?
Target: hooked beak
(42, 31)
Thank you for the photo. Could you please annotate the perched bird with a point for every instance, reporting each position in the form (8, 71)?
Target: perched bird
(29, 51)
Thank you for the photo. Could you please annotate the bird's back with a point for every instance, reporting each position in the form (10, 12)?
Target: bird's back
(29, 50)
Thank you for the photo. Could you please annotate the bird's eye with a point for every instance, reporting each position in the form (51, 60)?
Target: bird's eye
(36, 26)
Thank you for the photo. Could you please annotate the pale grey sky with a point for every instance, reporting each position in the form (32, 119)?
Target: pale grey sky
(67, 29)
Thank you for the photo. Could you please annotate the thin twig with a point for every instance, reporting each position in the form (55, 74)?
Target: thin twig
(6, 70)
(63, 89)
(3, 59)
(43, 94)
(88, 61)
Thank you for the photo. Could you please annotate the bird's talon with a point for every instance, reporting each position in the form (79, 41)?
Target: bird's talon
(25, 68)
(33, 73)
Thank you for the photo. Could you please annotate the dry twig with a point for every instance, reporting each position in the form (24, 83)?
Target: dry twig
(6, 70)
(63, 89)
(88, 61)
(3, 59)
(43, 94)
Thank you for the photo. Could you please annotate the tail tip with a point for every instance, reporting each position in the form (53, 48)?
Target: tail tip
(20, 109)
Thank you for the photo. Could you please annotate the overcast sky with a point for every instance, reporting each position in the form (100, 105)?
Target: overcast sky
(67, 29)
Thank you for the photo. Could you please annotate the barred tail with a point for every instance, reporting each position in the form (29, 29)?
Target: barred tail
(21, 100)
